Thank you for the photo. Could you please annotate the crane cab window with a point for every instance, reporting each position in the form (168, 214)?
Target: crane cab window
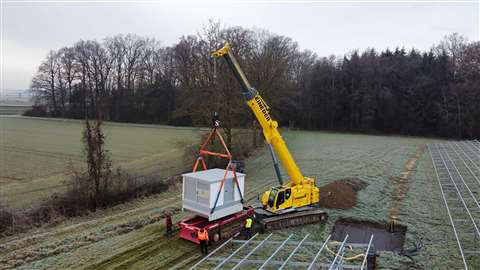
(288, 192)
(271, 198)
(280, 198)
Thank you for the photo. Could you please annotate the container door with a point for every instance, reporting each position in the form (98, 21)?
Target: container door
(229, 191)
(189, 188)
(203, 193)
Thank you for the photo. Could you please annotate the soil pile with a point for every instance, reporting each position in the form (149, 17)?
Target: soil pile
(341, 194)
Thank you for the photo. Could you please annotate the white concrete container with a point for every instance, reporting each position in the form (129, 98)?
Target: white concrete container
(200, 191)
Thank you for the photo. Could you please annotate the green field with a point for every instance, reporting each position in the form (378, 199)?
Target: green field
(100, 241)
(35, 153)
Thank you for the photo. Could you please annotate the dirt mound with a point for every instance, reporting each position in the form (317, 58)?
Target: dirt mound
(341, 194)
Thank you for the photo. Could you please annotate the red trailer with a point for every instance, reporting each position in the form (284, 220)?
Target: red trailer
(218, 230)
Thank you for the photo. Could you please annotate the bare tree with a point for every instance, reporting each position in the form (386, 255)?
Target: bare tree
(99, 165)
(454, 46)
(68, 71)
(44, 82)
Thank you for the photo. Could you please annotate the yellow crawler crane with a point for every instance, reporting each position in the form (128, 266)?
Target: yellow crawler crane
(286, 204)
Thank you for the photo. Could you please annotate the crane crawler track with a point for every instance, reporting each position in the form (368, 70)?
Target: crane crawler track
(291, 219)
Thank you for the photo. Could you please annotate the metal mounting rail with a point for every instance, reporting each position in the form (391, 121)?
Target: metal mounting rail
(284, 253)
(209, 255)
(457, 169)
(275, 252)
(294, 265)
(337, 256)
(251, 252)
(473, 147)
(465, 186)
(294, 251)
(318, 253)
(469, 158)
(475, 144)
(448, 208)
(473, 151)
(235, 252)
(364, 263)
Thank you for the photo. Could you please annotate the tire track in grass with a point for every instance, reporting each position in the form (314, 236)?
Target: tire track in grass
(134, 254)
(170, 251)
(50, 154)
(401, 183)
(183, 260)
(26, 244)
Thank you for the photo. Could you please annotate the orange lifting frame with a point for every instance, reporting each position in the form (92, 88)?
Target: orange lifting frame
(228, 156)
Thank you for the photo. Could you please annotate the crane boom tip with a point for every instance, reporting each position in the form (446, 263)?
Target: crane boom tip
(221, 52)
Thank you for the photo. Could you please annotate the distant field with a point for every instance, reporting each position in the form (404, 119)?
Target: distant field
(13, 109)
(377, 160)
(34, 153)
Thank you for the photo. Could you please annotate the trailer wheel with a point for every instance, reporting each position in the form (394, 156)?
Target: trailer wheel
(216, 236)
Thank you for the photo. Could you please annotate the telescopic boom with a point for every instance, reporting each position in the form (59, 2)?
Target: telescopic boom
(261, 111)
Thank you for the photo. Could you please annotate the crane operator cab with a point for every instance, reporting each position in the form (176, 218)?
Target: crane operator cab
(279, 198)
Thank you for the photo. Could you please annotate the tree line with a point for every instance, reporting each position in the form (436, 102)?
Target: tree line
(130, 78)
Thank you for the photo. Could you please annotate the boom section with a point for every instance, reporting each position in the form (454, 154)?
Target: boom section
(261, 111)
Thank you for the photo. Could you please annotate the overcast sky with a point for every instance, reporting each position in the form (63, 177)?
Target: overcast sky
(31, 29)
